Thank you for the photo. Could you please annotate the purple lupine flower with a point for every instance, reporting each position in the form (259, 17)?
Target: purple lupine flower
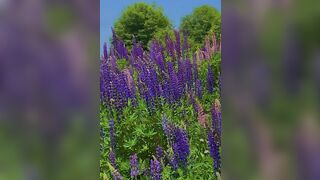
(159, 153)
(105, 51)
(170, 47)
(185, 46)
(113, 60)
(122, 50)
(155, 169)
(195, 69)
(174, 158)
(145, 87)
(119, 46)
(121, 98)
(116, 175)
(155, 51)
(198, 89)
(166, 90)
(112, 94)
(160, 62)
(112, 134)
(160, 56)
(106, 84)
(216, 117)
(150, 83)
(130, 83)
(141, 86)
(214, 151)
(173, 162)
(167, 127)
(174, 86)
(134, 164)
(103, 89)
(112, 159)
(114, 38)
(137, 51)
(210, 80)
(123, 88)
(181, 77)
(178, 43)
(154, 80)
(181, 139)
(188, 73)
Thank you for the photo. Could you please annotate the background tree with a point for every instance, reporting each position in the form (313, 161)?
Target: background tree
(200, 23)
(142, 21)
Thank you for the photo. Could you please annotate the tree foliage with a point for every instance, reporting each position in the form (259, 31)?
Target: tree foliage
(201, 22)
(142, 21)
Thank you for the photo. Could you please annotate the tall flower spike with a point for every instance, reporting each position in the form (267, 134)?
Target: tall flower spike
(113, 60)
(173, 162)
(174, 158)
(185, 46)
(159, 153)
(198, 89)
(195, 69)
(182, 145)
(155, 169)
(175, 89)
(201, 116)
(112, 159)
(112, 134)
(210, 80)
(178, 43)
(114, 38)
(105, 51)
(216, 117)
(116, 175)
(214, 151)
(170, 47)
(188, 73)
(134, 164)
(168, 128)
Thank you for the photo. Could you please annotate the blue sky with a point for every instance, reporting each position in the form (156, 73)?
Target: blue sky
(110, 11)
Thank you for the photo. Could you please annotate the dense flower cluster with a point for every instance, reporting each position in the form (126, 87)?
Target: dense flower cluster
(165, 74)
(159, 153)
(134, 165)
(157, 77)
(179, 141)
(155, 169)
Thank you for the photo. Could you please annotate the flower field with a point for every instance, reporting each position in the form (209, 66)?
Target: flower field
(160, 112)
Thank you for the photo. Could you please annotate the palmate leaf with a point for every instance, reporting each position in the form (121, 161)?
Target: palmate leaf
(139, 130)
(150, 133)
(130, 143)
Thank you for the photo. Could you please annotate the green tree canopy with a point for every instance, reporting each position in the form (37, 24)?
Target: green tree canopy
(142, 21)
(201, 22)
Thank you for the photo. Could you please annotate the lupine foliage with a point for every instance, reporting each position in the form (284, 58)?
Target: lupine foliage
(161, 111)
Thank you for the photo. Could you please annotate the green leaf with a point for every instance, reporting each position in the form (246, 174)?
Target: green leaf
(130, 143)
